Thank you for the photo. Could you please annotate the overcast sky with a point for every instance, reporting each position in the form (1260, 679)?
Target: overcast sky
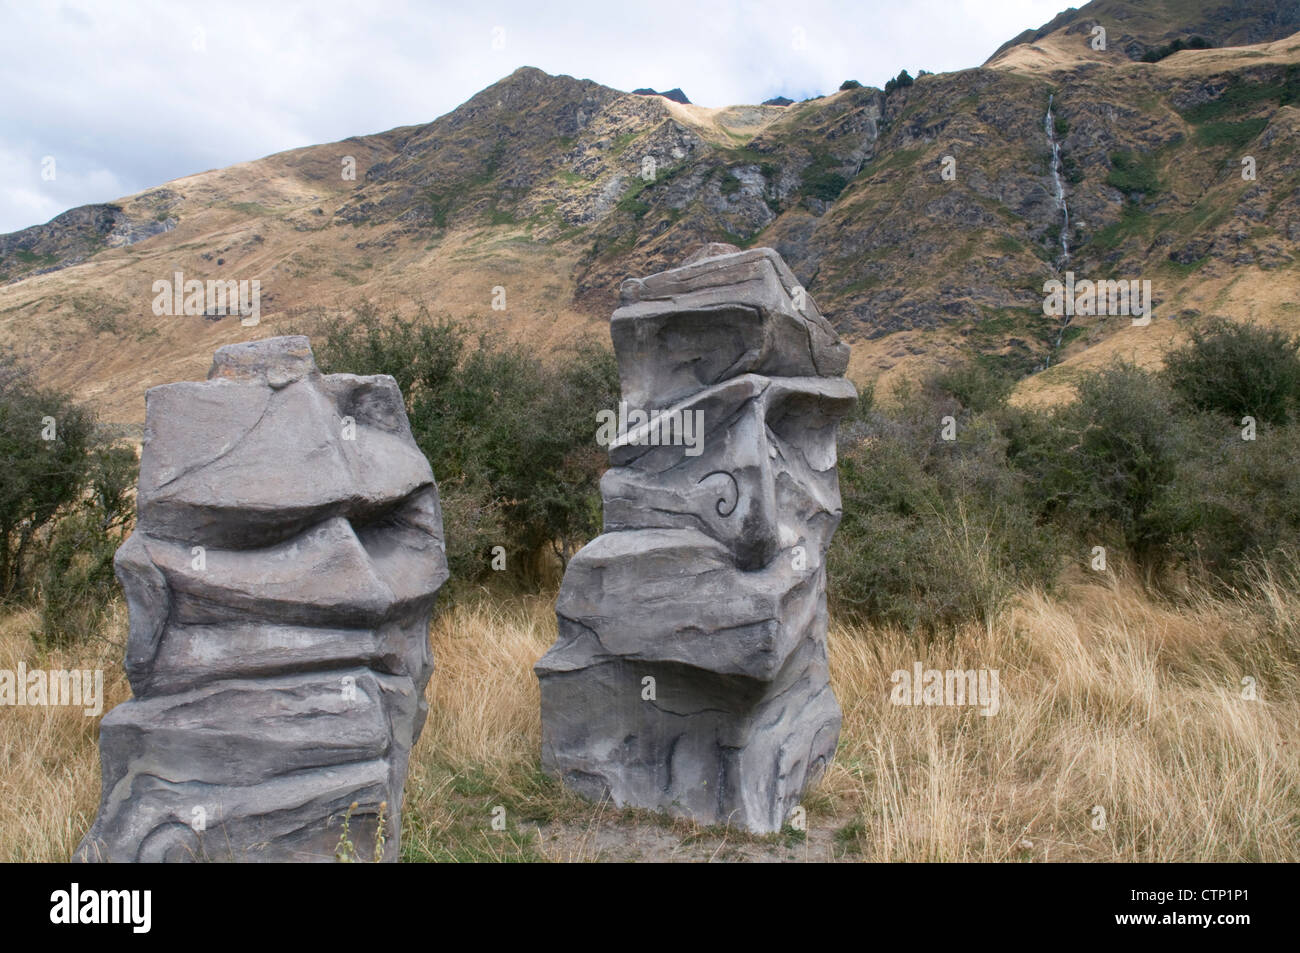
(127, 95)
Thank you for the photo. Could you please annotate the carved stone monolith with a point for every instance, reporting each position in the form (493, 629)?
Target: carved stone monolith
(690, 671)
(285, 562)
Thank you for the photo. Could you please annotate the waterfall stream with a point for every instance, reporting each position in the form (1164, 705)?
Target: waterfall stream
(1049, 125)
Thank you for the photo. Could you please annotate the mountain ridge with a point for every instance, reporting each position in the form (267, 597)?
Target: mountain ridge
(538, 184)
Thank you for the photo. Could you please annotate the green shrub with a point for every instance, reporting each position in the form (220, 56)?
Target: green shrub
(1133, 174)
(1238, 370)
(65, 505)
(898, 82)
(978, 385)
(1240, 499)
(1157, 53)
(821, 180)
(1104, 467)
(510, 437)
(78, 583)
(1234, 135)
(934, 532)
(40, 478)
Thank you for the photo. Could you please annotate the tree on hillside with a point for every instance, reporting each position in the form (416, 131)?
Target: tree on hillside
(65, 504)
(44, 443)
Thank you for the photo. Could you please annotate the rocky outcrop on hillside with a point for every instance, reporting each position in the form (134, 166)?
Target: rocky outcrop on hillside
(70, 238)
(850, 189)
(675, 94)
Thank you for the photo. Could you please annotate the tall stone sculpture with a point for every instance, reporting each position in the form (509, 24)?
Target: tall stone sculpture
(690, 670)
(280, 579)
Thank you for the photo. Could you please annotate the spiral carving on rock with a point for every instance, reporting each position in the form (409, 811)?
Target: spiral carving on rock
(722, 500)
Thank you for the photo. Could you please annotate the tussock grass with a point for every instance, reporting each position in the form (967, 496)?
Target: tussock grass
(49, 756)
(1109, 698)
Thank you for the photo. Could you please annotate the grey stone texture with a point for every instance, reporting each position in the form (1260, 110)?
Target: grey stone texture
(285, 562)
(690, 671)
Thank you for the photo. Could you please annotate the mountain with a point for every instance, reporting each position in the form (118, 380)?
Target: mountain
(556, 188)
(1135, 27)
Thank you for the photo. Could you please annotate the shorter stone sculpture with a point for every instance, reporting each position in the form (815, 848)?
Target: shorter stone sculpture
(280, 580)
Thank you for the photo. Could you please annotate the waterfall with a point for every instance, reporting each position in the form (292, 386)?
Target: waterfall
(1049, 126)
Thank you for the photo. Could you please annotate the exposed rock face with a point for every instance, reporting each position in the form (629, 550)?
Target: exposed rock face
(690, 670)
(675, 94)
(286, 559)
(71, 237)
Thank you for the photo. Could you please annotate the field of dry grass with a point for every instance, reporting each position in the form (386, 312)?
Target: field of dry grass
(1109, 699)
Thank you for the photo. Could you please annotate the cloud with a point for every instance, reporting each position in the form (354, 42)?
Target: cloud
(36, 186)
(127, 97)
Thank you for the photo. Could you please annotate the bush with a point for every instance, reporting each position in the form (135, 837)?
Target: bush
(65, 504)
(821, 180)
(977, 385)
(511, 438)
(934, 532)
(1240, 499)
(850, 84)
(44, 444)
(1157, 53)
(1105, 465)
(898, 82)
(1238, 370)
(78, 582)
(1133, 174)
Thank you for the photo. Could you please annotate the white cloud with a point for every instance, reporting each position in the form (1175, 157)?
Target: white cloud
(128, 97)
(36, 186)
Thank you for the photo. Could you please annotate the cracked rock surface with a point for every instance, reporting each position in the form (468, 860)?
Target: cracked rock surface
(690, 671)
(285, 562)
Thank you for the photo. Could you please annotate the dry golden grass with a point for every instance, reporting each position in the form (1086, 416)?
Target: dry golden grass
(1109, 699)
(49, 757)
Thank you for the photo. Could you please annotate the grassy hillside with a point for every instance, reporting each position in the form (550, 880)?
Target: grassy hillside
(1137, 26)
(536, 185)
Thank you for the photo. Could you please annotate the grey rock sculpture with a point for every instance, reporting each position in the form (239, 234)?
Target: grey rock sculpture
(280, 579)
(690, 671)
